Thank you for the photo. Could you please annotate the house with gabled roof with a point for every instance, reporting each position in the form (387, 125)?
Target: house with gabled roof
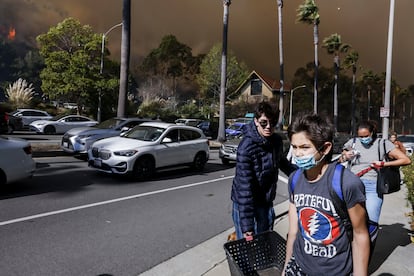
(257, 88)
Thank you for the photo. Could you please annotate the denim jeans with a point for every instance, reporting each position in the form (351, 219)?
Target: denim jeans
(373, 202)
(264, 218)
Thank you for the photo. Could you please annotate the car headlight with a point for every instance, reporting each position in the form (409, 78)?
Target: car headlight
(126, 153)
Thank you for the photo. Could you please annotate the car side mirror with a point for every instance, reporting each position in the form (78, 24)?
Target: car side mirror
(124, 129)
(167, 140)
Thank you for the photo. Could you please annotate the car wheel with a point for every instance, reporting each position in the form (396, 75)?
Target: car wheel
(225, 161)
(200, 161)
(50, 130)
(144, 168)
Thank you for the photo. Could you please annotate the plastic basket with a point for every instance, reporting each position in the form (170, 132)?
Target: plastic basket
(264, 255)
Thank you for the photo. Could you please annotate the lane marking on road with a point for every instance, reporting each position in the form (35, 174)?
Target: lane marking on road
(110, 201)
(2, 223)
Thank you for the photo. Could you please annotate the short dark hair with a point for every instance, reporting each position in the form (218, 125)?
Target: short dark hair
(270, 112)
(317, 129)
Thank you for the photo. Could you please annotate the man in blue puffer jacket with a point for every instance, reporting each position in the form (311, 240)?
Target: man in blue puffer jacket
(259, 157)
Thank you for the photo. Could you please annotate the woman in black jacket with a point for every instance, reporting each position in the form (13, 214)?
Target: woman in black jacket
(259, 157)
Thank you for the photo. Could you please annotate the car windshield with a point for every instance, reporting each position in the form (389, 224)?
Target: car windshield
(110, 123)
(236, 127)
(144, 133)
(58, 117)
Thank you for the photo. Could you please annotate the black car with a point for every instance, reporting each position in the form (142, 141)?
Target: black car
(9, 123)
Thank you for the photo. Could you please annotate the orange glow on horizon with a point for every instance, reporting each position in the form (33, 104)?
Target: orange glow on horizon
(12, 33)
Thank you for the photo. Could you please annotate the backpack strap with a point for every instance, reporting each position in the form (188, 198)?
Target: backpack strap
(295, 178)
(335, 190)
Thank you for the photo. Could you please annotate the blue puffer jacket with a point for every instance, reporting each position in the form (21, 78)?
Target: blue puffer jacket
(257, 170)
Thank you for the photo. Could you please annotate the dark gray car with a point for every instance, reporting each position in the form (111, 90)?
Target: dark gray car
(228, 150)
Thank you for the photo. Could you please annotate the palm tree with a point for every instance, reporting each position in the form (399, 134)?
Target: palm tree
(351, 61)
(222, 119)
(125, 53)
(281, 63)
(308, 13)
(369, 79)
(334, 46)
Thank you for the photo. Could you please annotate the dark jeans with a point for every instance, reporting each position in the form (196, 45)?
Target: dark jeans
(264, 218)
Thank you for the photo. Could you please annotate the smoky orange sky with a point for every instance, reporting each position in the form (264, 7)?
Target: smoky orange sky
(253, 29)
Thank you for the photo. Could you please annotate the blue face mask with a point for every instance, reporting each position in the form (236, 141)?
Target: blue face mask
(306, 162)
(365, 140)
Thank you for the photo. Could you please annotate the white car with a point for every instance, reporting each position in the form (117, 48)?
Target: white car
(60, 124)
(16, 161)
(408, 142)
(148, 147)
(31, 115)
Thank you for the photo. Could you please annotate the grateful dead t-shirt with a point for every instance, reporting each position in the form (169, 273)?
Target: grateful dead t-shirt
(322, 246)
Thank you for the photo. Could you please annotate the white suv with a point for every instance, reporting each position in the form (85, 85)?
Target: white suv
(148, 147)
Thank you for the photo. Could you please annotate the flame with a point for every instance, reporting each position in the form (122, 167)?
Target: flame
(12, 33)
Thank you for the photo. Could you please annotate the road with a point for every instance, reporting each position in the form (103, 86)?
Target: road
(71, 220)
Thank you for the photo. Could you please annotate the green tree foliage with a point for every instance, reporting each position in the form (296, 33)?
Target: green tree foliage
(172, 66)
(72, 55)
(209, 77)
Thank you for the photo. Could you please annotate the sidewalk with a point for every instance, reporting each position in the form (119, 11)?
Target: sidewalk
(394, 253)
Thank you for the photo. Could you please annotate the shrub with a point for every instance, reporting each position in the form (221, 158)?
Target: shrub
(20, 93)
(408, 172)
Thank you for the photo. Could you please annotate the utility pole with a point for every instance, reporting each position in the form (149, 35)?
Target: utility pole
(386, 119)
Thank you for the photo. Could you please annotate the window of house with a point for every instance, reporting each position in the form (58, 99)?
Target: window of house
(256, 87)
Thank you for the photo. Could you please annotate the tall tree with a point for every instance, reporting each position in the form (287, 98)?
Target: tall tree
(334, 46)
(281, 62)
(308, 13)
(209, 77)
(71, 54)
(171, 60)
(370, 80)
(125, 54)
(351, 61)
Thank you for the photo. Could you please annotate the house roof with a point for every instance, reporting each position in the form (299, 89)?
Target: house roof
(269, 82)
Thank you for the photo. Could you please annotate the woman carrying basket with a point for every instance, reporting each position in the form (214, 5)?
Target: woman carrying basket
(319, 242)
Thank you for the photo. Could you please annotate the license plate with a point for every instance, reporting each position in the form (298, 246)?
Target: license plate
(97, 163)
(65, 144)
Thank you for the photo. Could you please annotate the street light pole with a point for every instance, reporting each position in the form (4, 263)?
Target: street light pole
(291, 102)
(102, 65)
(386, 119)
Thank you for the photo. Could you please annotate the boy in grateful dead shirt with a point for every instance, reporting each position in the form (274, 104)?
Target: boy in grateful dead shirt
(318, 243)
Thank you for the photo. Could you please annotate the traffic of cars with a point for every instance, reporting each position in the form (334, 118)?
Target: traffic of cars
(16, 162)
(78, 140)
(61, 123)
(148, 147)
(132, 146)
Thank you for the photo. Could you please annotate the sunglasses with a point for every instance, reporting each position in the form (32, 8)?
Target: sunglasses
(264, 123)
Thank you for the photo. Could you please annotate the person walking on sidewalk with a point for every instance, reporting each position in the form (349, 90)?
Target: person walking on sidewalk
(363, 154)
(259, 157)
(318, 241)
(397, 143)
